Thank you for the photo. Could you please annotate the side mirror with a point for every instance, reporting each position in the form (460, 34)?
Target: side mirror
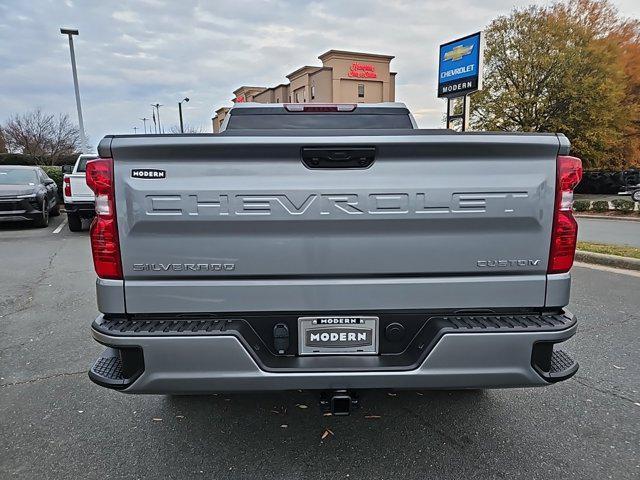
(67, 169)
(48, 181)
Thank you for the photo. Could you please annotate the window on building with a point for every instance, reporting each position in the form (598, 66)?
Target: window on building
(277, 99)
(361, 90)
(313, 91)
(297, 97)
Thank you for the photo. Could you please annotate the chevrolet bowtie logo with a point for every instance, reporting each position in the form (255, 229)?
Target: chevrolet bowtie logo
(458, 52)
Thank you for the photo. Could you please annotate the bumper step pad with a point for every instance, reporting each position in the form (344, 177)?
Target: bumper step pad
(562, 367)
(108, 369)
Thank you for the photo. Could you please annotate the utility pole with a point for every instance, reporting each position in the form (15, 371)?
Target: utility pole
(185, 99)
(144, 122)
(70, 33)
(135, 130)
(157, 107)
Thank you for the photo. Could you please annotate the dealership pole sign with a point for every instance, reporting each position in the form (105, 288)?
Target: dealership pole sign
(460, 67)
(459, 74)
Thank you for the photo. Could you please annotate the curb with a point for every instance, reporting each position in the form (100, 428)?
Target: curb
(609, 217)
(608, 260)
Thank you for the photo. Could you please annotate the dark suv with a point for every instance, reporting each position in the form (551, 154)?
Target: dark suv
(27, 193)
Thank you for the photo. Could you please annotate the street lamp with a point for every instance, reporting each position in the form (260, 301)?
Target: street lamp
(144, 122)
(185, 99)
(70, 33)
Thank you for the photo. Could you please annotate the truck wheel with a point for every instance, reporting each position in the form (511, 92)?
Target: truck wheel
(55, 211)
(43, 220)
(636, 195)
(75, 222)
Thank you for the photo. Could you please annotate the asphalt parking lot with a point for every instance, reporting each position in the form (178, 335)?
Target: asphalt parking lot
(617, 232)
(56, 424)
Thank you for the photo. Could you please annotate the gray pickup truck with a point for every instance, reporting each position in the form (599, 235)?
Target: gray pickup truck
(332, 247)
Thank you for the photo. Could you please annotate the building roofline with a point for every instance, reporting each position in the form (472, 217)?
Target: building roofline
(300, 71)
(346, 53)
(246, 87)
(321, 69)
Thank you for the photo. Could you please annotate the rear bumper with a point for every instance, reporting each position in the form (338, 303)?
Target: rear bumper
(226, 360)
(83, 209)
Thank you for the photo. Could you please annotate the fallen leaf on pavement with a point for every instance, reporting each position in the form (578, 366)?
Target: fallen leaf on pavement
(302, 406)
(391, 394)
(326, 433)
(619, 368)
(284, 425)
(156, 419)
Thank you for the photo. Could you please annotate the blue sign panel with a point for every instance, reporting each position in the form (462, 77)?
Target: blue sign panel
(460, 65)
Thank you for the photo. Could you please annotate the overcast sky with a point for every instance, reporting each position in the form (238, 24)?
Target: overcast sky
(134, 53)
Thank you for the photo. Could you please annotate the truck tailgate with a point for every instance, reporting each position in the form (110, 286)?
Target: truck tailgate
(80, 192)
(241, 224)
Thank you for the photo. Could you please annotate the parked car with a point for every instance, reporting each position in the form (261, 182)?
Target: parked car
(27, 193)
(332, 247)
(79, 200)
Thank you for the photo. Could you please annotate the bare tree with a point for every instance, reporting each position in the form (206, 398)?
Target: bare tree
(3, 144)
(187, 129)
(42, 135)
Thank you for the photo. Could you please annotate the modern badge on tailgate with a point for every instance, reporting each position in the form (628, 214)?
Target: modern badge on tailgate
(148, 173)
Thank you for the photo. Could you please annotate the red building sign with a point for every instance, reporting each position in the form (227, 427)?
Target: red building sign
(362, 70)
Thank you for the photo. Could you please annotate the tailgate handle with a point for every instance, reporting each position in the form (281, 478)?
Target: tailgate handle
(338, 157)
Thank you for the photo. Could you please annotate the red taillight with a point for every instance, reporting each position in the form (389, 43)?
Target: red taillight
(67, 186)
(320, 107)
(105, 244)
(565, 228)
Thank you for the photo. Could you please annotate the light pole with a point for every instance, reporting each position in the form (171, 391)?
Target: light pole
(157, 107)
(135, 130)
(185, 99)
(70, 33)
(144, 122)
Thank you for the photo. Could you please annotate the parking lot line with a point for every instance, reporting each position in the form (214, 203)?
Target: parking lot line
(61, 226)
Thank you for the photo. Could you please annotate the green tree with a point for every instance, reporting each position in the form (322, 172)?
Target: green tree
(559, 69)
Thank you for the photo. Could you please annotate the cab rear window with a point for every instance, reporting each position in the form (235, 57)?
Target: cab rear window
(82, 164)
(294, 121)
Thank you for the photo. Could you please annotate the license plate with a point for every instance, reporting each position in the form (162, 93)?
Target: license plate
(337, 335)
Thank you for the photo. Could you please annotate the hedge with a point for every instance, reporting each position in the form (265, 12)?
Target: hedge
(622, 205)
(21, 159)
(581, 205)
(600, 206)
